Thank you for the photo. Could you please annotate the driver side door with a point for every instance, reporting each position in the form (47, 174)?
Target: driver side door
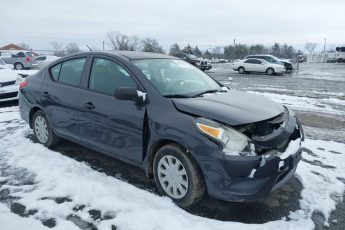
(106, 123)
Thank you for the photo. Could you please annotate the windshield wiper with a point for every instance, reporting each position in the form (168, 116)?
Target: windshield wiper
(176, 96)
(209, 91)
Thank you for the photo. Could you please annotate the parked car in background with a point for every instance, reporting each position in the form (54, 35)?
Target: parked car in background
(190, 58)
(3, 65)
(19, 59)
(274, 60)
(9, 83)
(44, 60)
(209, 65)
(188, 132)
(258, 66)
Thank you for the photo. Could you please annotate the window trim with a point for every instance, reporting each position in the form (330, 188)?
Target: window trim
(65, 60)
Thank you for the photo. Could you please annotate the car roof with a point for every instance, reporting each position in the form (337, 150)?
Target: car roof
(135, 55)
(250, 58)
(266, 55)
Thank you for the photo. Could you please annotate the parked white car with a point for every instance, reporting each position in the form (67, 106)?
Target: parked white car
(3, 65)
(258, 66)
(44, 60)
(9, 84)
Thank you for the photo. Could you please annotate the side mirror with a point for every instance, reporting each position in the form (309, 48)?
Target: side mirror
(129, 93)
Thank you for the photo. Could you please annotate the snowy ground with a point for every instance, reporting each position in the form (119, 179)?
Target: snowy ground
(76, 188)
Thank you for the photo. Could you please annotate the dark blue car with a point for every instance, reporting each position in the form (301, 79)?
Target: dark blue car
(187, 131)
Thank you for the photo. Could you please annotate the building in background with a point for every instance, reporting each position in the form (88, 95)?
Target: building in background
(11, 47)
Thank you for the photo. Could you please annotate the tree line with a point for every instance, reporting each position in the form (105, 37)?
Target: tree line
(120, 41)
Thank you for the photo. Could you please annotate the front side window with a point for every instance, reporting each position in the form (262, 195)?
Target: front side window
(107, 75)
(174, 78)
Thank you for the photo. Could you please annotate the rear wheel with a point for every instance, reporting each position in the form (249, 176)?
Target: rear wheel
(241, 70)
(18, 66)
(43, 131)
(177, 176)
(270, 71)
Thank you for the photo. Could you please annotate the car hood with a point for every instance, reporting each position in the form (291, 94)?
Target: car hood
(233, 108)
(7, 75)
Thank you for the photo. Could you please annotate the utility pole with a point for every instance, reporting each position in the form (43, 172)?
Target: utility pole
(324, 47)
(103, 45)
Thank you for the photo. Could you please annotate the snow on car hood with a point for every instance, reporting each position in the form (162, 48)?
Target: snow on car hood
(233, 108)
(7, 75)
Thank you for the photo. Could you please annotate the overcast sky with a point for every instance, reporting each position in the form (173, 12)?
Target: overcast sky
(197, 22)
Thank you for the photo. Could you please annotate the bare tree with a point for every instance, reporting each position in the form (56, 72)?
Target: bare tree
(25, 46)
(72, 47)
(119, 41)
(310, 47)
(57, 48)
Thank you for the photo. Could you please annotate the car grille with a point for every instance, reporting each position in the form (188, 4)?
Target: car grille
(8, 95)
(3, 84)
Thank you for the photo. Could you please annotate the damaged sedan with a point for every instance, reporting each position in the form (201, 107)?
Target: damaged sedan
(190, 134)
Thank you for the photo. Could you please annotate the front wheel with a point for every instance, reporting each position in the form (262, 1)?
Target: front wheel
(270, 71)
(18, 66)
(43, 131)
(178, 176)
(241, 70)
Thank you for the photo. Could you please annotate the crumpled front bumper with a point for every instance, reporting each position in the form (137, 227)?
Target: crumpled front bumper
(241, 178)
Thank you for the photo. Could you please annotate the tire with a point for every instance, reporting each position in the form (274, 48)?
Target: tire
(18, 66)
(241, 70)
(38, 122)
(195, 187)
(270, 71)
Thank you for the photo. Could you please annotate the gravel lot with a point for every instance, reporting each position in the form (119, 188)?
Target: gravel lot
(316, 93)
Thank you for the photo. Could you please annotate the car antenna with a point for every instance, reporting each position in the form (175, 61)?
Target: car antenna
(89, 47)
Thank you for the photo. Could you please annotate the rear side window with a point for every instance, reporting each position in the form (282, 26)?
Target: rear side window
(107, 75)
(250, 61)
(55, 70)
(68, 72)
(20, 54)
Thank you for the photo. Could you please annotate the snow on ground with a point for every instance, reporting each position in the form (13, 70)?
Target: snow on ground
(128, 207)
(322, 105)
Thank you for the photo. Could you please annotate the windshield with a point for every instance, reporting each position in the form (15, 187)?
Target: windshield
(176, 78)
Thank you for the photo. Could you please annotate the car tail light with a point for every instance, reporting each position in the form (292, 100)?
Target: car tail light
(27, 59)
(23, 84)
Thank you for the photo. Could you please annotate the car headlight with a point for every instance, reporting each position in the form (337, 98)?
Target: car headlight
(19, 80)
(234, 143)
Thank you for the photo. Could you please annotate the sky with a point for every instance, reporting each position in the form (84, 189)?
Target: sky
(206, 23)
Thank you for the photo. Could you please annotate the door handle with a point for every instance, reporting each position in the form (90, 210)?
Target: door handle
(45, 93)
(89, 105)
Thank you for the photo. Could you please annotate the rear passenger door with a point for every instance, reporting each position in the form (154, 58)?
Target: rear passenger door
(60, 96)
(106, 123)
(249, 65)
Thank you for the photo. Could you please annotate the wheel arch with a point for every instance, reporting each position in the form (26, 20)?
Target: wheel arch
(152, 151)
(32, 112)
